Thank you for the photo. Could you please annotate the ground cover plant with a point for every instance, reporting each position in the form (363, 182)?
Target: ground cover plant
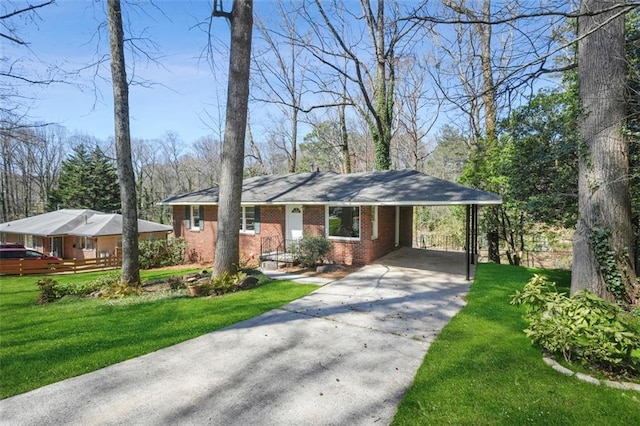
(42, 344)
(482, 369)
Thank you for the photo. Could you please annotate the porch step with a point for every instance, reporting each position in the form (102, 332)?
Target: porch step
(269, 265)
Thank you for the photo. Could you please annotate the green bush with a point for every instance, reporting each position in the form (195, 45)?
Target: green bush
(48, 291)
(222, 284)
(310, 250)
(159, 253)
(109, 285)
(583, 328)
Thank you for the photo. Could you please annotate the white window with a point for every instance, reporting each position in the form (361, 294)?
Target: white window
(247, 219)
(86, 243)
(28, 241)
(196, 220)
(343, 222)
(374, 222)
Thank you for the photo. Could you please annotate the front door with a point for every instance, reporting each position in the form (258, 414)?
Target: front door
(56, 246)
(294, 222)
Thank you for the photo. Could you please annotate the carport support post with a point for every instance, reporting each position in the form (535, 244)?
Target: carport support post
(474, 234)
(467, 242)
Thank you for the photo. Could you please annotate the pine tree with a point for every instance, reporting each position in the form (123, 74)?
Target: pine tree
(88, 180)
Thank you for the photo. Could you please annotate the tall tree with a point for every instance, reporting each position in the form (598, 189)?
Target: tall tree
(227, 250)
(321, 149)
(371, 66)
(485, 147)
(87, 181)
(545, 132)
(603, 242)
(280, 74)
(130, 260)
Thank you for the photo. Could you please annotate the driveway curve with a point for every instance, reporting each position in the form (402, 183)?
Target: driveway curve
(344, 354)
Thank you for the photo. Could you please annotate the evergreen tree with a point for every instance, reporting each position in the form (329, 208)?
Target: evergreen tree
(88, 180)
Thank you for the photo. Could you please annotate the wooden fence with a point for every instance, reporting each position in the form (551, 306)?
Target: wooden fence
(73, 266)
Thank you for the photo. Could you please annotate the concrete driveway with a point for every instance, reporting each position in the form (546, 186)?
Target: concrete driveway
(343, 355)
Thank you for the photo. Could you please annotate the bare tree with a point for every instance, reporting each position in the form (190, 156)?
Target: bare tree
(603, 242)
(279, 74)
(13, 72)
(207, 153)
(227, 250)
(418, 112)
(371, 70)
(126, 178)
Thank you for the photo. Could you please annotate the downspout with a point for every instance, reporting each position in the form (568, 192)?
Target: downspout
(467, 240)
(397, 237)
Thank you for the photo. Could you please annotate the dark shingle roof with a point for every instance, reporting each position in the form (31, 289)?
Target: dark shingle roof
(393, 187)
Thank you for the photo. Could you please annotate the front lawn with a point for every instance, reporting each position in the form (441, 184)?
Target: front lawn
(42, 344)
(483, 370)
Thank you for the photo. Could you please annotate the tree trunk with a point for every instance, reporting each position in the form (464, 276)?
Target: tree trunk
(603, 175)
(130, 260)
(293, 161)
(344, 137)
(382, 136)
(229, 210)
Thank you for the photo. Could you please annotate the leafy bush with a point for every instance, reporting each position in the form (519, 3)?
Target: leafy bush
(51, 290)
(48, 291)
(109, 285)
(121, 289)
(159, 253)
(582, 328)
(222, 284)
(310, 250)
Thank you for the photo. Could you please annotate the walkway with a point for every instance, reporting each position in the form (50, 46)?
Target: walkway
(345, 354)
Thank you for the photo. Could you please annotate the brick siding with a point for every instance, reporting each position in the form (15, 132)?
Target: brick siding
(272, 224)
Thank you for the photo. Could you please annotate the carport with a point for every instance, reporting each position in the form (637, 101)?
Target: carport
(410, 189)
(402, 189)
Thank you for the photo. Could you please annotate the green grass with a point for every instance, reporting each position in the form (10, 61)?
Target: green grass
(483, 370)
(42, 344)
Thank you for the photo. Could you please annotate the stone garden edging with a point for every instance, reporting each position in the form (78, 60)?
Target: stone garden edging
(585, 378)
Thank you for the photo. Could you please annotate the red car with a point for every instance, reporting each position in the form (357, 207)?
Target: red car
(35, 259)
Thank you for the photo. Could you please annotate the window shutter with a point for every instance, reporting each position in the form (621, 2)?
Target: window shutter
(187, 217)
(256, 219)
(201, 217)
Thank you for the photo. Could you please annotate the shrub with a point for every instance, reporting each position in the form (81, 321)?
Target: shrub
(109, 285)
(51, 290)
(582, 328)
(222, 284)
(310, 250)
(121, 289)
(48, 291)
(159, 253)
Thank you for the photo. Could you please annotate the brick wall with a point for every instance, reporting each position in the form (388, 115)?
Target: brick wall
(313, 220)
(367, 250)
(200, 243)
(272, 224)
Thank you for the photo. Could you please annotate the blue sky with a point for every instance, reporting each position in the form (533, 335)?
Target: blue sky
(186, 92)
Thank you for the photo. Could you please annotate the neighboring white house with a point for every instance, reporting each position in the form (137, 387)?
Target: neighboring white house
(76, 233)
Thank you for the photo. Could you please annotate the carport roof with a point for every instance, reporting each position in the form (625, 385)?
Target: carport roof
(80, 222)
(393, 187)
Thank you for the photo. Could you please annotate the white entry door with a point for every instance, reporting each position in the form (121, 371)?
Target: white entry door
(294, 221)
